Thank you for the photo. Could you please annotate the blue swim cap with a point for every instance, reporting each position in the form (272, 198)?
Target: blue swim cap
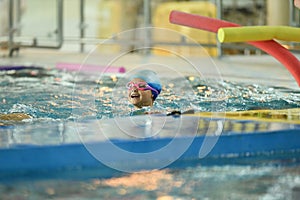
(151, 79)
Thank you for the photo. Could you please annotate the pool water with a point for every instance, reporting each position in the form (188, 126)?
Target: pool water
(56, 95)
(218, 182)
(51, 95)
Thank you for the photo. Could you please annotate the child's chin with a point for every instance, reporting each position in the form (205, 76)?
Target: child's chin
(135, 101)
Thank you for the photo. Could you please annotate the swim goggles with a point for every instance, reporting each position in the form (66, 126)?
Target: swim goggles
(141, 86)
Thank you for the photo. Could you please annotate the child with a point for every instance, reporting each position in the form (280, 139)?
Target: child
(143, 88)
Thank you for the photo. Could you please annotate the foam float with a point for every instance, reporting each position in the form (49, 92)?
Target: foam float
(89, 68)
(259, 33)
(213, 25)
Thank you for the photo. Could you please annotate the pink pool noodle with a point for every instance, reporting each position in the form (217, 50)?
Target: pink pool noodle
(89, 68)
(212, 25)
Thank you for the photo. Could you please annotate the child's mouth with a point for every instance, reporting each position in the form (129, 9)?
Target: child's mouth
(135, 95)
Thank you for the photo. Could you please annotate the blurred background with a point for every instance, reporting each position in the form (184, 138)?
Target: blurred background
(78, 25)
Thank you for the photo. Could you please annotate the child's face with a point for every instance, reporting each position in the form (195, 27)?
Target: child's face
(138, 97)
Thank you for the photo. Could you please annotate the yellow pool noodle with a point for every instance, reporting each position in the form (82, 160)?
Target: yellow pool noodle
(258, 33)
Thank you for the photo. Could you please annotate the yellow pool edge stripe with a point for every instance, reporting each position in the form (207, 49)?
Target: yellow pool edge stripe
(291, 116)
(258, 33)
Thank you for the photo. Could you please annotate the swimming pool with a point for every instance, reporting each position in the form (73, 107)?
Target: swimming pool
(51, 94)
(48, 96)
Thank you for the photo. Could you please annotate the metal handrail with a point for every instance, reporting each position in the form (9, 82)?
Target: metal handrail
(59, 30)
(219, 4)
(293, 11)
(82, 24)
(83, 40)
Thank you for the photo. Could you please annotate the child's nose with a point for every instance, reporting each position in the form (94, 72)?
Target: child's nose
(134, 89)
